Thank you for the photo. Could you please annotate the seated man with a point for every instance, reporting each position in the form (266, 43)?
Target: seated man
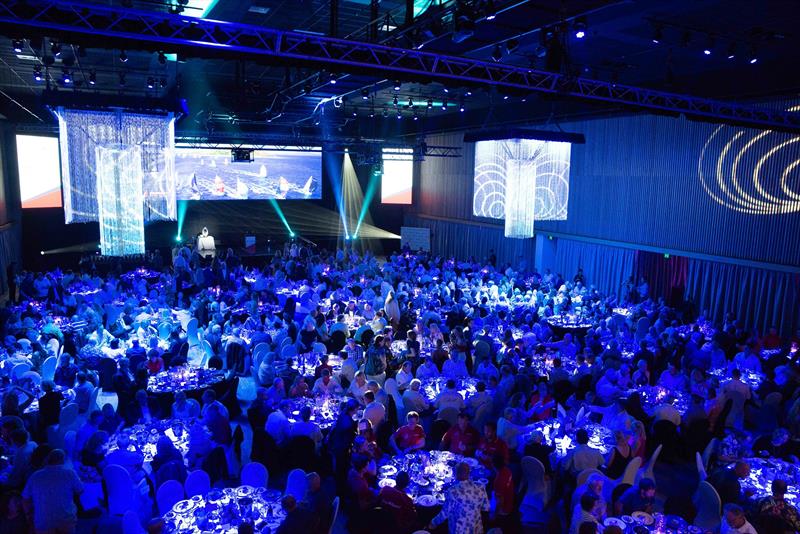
(409, 437)
(306, 427)
(776, 511)
(462, 438)
(413, 399)
(450, 397)
(640, 498)
(399, 503)
(583, 456)
(734, 521)
(327, 385)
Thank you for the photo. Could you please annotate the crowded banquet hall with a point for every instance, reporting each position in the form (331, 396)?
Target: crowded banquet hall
(399, 267)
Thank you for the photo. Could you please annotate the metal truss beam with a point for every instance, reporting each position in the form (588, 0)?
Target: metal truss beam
(75, 20)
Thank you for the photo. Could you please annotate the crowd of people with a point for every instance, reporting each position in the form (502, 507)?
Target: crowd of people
(542, 391)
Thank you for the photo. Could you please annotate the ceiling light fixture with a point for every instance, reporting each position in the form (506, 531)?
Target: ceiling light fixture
(17, 44)
(55, 48)
(37, 73)
(66, 77)
(123, 56)
(497, 53)
(580, 28)
(92, 77)
(364, 94)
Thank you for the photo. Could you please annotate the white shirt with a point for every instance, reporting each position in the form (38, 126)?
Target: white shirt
(746, 528)
(277, 426)
(375, 412)
(450, 399)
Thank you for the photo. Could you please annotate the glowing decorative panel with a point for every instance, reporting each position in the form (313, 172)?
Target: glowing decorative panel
(119, 200)
(398, 175)
(39, 172)
(540, 174)
(81, 132)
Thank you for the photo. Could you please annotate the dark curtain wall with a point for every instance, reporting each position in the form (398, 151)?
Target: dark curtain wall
(465, 239)
(666, 276)
(605, 268)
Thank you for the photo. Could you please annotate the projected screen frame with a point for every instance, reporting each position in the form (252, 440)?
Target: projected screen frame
(395, 158)
(549, 158)
(264, 157)
(46, 198)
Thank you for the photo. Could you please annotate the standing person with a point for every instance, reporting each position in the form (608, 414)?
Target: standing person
(463, 504)
(50, 496)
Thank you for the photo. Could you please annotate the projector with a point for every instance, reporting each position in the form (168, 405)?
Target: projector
(239, 155)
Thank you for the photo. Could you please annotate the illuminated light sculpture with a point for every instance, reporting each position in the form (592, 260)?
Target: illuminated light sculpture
(119, 200)
(118, 169)
(521, 180)
(751, 171)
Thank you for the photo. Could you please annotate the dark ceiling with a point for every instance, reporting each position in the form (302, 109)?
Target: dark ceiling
(250, 96)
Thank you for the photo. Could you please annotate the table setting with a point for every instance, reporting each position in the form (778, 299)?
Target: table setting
(221, 511)
(431, 473)
(144, 437)
(182, 379)
(644, 523)
(654, 396)
(324, 409)
(562, 435)
(432, 387)
(764, 470)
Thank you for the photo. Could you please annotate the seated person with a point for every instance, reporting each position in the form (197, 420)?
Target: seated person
(734, 521)
(639, 498)
(409, 437)
(462, 438)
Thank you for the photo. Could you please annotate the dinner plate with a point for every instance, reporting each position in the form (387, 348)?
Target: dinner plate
(628, 519)
(384, 482)
(643, 517)
(245, 491)
(616, 522)
(427, 500)
(388, 470)
(181, 507)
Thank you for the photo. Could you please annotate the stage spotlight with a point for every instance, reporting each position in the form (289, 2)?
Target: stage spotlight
(364, 94)
(333, 79)
(92, 77)
(410, 103)
(17, 44)
(37, 73)
(162, 58)
(753, 59)
(372, 114)
(732, 51)
(123, 56)
(55, 48)
(497, 53)
(151, 83)
(66, 77)
(394, 100)
(291, 234)
(397, 85)
(505, 97)
(445, 89)
(430, 103)
(178, 238)
(658, 34)
(355, 113)
(416, 117)
(399, 115)
(444, 105)
(580, 28)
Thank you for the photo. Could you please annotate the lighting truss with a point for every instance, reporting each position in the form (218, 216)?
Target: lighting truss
(217, 38)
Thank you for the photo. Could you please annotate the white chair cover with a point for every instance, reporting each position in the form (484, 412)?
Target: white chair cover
(49, 368)
(709, 506)
(701, 469)
(191, 332)
(93, 400)
(33, 376)
(131, 523)
(168, 494)
(318, 348)
(629, 475)
(53, 347)
(69, 417)
(287, 351)
(122, 494)
(533, 474)
(254, 474)
(164, 330)
(296, 484)
(69, 445)
(334, 515)
(197, 483)
(20, 369)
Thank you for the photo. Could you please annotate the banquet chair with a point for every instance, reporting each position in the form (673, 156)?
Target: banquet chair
(32, 376)
(131, 523)
(93, 400)
(319, 348)
(197, 483)
(288, 351)
(631, 470)
(701, 469)
(296, 484)
(583, 475)
(481, 350)
(168, 494)
(736, 416)
(708, 453)
(164, 330)
(709, 507)
(53, 347)
(121, 493)
(49, 368)
(391, 388)
(259, 352)
(616, 493)
(68, 420)
(208, 352)
(483, 415)
(648, 470)
(191, 332)
(69, 446)
(533, 503)
(254, 474)
(338, 341)
(20, 369)
(334, 514)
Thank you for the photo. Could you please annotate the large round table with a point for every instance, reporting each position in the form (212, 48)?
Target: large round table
(764, 470)
(556, 433)
(183, 379)
(431, 473)
(144, 436)
(222, 511)
(655, 396)
(432, 387)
